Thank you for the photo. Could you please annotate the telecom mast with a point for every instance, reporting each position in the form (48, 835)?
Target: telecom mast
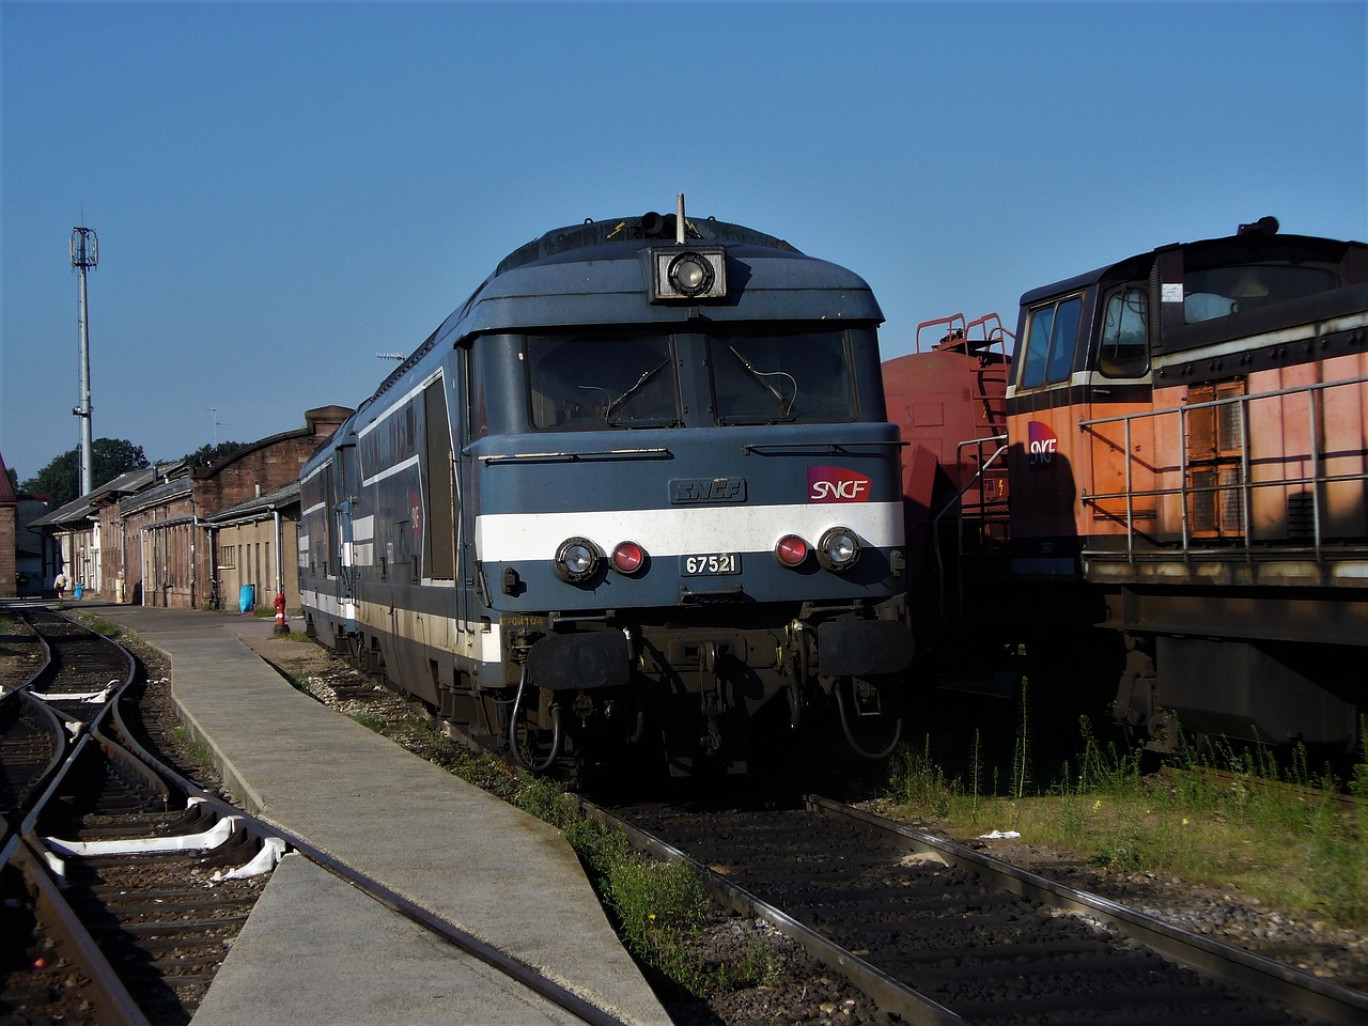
(85, 253)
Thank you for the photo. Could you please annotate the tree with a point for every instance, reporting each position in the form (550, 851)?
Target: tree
(208, 455)
(60, 479)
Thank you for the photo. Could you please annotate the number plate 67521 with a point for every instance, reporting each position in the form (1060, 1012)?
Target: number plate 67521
(707, 564)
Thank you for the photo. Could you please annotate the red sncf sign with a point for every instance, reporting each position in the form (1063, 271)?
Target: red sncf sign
(1042, 443)
(836, 484)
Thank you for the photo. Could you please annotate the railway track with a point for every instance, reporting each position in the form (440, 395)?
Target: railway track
(120, 876)
(937, 933)
(125, 884)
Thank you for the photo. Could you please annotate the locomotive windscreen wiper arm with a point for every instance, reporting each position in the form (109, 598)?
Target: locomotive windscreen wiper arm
(640, 383)
(759, 376)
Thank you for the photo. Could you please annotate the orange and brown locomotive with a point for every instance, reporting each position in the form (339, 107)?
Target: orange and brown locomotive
(1186, 449)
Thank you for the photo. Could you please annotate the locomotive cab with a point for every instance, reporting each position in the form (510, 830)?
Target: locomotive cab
(1188, 449)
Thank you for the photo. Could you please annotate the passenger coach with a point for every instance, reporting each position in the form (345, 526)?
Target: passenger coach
(638, 489)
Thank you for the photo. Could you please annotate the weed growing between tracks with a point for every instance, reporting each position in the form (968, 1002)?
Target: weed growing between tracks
(660, 908)
(1231, 817)
(199, 753)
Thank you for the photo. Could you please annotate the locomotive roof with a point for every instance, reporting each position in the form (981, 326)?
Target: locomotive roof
(546, 283)
(537, 286)
(1276, 246)
(650, 228)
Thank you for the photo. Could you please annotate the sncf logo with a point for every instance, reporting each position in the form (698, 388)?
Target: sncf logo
(836, 484)
(1043, 444)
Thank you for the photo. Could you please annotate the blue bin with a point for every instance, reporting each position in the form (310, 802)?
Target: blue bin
(247, 598)
(80, 590)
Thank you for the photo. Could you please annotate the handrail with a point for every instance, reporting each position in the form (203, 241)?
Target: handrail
(949, 322)
(955, 503)
(1315, 482)
(957, 333)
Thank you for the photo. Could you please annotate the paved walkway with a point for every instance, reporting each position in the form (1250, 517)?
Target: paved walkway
(503, 876)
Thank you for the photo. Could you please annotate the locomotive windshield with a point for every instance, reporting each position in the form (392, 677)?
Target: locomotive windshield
(1051, 334)
(595, 383)
(791, 377)
(588, 384)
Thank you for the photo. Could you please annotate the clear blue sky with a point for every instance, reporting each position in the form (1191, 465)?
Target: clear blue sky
(282, 191)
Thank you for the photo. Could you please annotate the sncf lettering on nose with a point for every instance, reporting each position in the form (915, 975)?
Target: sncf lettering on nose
(1041, 443)
(837, 484)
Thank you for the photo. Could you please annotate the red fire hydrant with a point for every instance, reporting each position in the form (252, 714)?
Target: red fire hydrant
(281, 628)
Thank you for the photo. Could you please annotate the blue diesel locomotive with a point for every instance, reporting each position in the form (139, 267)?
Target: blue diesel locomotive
(639, 489)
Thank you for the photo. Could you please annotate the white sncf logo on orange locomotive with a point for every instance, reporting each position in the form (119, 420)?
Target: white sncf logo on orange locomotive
(1042, 444)
(836, 484)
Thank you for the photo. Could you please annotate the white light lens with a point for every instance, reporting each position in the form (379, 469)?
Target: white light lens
(577, 560)
(839, 549)
(691, 274)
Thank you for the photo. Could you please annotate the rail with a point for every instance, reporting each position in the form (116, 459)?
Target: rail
(1316, 481)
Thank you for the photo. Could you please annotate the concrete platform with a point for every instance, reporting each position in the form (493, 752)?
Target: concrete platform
(501, 875)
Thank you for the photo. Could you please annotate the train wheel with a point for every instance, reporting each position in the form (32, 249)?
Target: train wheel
(870, 717)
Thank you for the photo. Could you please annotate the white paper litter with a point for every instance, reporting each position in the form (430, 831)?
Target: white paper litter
(1000, 835)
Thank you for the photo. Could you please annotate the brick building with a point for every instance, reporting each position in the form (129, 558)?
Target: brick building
(9, 534)
(147, 537)
(168, 557)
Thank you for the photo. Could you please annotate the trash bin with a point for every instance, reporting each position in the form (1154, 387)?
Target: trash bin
(80, 589)
(247, 598)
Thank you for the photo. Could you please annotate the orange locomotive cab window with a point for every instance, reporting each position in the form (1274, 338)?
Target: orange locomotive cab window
(1124, 348)
(1051, 336)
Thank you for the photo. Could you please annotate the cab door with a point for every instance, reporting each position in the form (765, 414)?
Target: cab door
(343, 556)
(1046, 461)
(1082, 460)
(1114, 415)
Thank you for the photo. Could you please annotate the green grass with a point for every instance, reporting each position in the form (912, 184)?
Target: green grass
(1268, 826)
(100, 626)
(370, 721)
(200, 753)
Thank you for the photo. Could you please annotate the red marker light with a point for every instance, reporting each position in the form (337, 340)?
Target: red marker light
(628, 558)
(791, 550)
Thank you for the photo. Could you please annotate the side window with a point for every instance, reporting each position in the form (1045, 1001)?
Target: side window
(1051, 335)
(1124, 348)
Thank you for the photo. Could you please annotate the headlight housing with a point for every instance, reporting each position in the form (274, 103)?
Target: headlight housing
(577, 560)
(838, 549)
(693, 272)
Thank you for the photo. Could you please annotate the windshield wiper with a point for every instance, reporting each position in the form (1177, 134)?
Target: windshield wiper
(640, 384)
(759, 376)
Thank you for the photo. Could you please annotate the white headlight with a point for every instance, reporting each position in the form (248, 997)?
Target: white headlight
(838, 549)
(696, 272)
(577, 560)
